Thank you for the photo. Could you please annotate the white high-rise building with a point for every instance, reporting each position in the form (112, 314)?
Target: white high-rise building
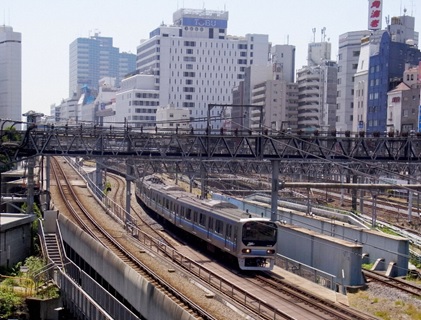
(317, 89)
(283, 56)
(348, 55)
(195, 63)
(10, 74)
(137, 101)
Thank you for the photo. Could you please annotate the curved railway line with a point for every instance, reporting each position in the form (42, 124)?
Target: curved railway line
(87, 222)
(301, 302)
(139, 218)
(320, 308)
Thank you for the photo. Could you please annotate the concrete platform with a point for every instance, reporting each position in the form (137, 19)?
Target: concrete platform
(314, 288)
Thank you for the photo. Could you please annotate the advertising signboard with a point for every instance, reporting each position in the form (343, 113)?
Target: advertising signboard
(375, 14)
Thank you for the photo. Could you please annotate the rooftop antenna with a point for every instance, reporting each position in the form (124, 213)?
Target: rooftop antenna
(314, 34)
(323, 31)
(288, 39)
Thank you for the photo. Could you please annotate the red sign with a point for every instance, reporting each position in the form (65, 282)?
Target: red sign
(375, 14)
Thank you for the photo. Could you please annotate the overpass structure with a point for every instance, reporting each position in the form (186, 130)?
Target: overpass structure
(317, 154)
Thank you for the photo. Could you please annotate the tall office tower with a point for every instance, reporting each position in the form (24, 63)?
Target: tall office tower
(10, 74)
(386, 68)
(195, 63)
(94, 58)
(284, 57)
(348, 55)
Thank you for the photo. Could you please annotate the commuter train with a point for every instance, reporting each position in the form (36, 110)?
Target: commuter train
(250, 240)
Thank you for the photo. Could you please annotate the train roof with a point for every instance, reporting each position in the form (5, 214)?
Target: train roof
(225, 209)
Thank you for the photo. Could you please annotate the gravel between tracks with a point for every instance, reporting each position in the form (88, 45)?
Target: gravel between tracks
(185, 285)
(384, 303)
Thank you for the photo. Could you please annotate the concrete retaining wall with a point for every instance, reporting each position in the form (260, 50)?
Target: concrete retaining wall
(337, 257)
(141, 294)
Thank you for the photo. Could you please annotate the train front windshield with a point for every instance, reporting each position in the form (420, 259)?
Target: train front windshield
(259, 233)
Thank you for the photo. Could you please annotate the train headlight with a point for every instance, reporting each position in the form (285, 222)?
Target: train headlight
(246, 250)
(270, 251)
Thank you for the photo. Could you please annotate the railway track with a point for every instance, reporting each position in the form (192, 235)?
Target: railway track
(325, 309)
(322, 308)
(395, 283)
(87, 222)
(258, 307)
(139, 218)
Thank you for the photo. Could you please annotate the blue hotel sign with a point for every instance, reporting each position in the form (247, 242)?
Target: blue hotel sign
(206, 23)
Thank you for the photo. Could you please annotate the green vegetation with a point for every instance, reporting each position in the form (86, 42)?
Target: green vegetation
(10, 134)
(412, 312)
(367, 266)
(19, 283)
(387, 230)
(107, 187)
(10, 302)
(385, 315)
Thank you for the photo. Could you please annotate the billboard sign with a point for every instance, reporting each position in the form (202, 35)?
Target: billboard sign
(206, 23)
(375, 14)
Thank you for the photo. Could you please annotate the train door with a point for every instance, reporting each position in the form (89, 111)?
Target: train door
(210, 228)
(234, 239)
(202, 224)
(188, 217)
(195, 220)
(228, 237)
(175, 209)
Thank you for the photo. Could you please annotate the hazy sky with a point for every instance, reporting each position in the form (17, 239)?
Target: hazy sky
(49, 26)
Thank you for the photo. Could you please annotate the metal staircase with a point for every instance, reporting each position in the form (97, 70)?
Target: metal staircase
(53, 249)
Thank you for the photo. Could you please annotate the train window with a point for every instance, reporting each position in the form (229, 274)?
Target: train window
(228, 231)
(195, 216)
(259, 233)
(210, 223)
(167, 204)
(202, 219)
(188, 214)
(182, 211)
(219, 226)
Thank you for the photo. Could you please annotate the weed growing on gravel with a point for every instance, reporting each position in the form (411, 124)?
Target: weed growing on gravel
(412, 311)
(383, 315)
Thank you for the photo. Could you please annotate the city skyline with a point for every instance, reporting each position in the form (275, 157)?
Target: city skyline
(51, 27)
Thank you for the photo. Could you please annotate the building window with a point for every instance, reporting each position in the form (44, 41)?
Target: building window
(189, 43)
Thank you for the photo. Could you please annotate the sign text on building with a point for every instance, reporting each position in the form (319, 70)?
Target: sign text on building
(375, 14)
(206, 23)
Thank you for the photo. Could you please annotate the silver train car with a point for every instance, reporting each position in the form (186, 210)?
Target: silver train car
(250, 240)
